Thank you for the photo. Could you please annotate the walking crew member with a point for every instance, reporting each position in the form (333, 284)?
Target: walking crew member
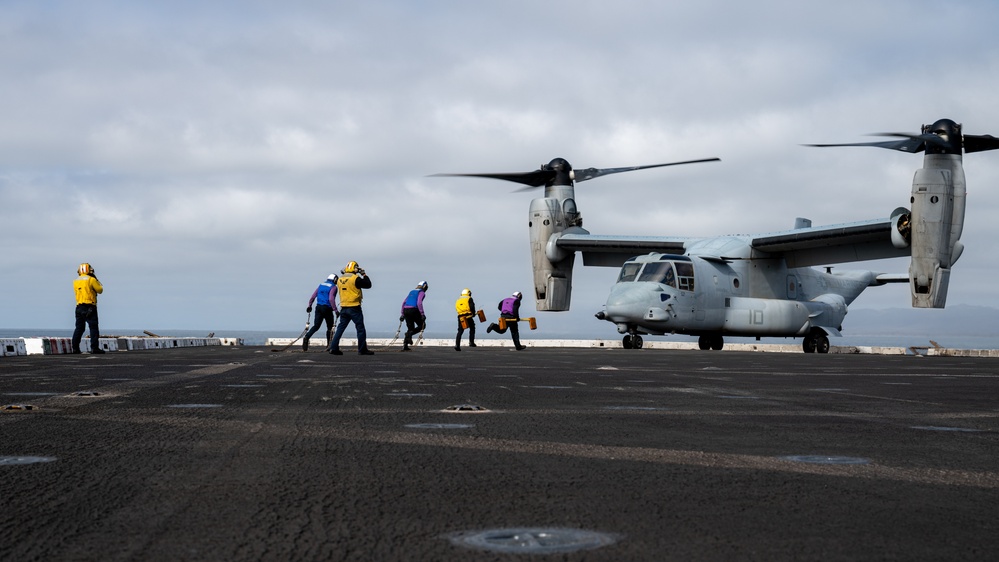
(325, 298)
(412, 313)
(352, 279)
(465, 307)
(510, 310)
(87, 287)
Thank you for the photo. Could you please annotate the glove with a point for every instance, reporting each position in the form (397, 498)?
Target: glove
(308, 309)
(401, 318)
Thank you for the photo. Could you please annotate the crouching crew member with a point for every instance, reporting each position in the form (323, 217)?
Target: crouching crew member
(352, 279)
(510, 310)
(412, 313)
(465, 307)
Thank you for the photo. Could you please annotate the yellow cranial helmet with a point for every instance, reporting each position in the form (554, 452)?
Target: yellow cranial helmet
(466, 292)
(351, 267)
(85, 269)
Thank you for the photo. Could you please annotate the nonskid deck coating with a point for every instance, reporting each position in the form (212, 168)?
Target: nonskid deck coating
(356, 458)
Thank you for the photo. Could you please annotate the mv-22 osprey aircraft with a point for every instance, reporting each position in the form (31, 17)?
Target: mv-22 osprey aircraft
(755, 285)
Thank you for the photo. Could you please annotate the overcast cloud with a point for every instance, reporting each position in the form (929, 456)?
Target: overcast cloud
(215, 161)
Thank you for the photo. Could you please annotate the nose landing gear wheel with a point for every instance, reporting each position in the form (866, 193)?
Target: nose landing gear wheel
(632, 341)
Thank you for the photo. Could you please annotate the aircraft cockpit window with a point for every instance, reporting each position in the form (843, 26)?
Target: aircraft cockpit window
(685, 276)
(659, 272)
(629, 272)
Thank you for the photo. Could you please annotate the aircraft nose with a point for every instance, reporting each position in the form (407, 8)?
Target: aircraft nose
(625, 302)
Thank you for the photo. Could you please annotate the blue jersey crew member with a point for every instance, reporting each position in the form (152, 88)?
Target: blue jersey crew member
(465, 307)
(87, 287)
(325, 298)
(412, 313)
(349, 285)
(510, 310)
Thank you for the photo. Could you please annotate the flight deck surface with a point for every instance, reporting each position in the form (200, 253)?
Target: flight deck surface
(240, 453)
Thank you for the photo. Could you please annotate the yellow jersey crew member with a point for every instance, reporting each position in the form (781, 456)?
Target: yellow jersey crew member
(352, 279)
(87, 287)
(465, 307)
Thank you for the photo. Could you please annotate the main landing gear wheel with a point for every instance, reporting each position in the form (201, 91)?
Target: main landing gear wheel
(632, 341)
(710, 342)
(815, 343)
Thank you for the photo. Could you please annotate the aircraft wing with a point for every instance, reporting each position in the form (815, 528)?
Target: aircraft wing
(802, 247)
(614, 250)
(836, 243)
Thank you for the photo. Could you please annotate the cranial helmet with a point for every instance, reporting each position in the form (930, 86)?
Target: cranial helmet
(422, 285)
(85, 269)
(466, 292)
(517, 295)
(332, 277)
(351, 267)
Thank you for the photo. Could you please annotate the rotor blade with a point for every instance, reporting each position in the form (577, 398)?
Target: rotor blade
(537, 178)
(907, 145)
(979, 143)
(590, 173)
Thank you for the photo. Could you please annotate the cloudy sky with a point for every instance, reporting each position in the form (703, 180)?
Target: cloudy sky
(215, 161)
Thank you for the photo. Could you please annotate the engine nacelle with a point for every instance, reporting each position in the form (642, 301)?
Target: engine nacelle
(901, 228)
(552, 266)
(937, 220)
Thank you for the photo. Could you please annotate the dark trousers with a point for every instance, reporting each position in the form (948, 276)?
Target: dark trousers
(514, 330)
(414, 324)
(350, 314)
(86, 315)
(323, 312)
(470, 321)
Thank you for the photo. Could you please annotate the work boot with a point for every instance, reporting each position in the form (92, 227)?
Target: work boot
(97, 351)
(336, 352)
(472, 344)
(520, 347)
(457, 348)
(406, 348)
(365, 352)
(305, 345)
(491, 328)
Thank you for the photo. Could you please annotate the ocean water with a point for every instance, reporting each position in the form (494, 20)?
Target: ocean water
(258, 337)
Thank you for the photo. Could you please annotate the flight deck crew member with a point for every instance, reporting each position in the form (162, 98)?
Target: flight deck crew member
(87, 287)
(352, 279)
(510, 309)
(412, 313)
(325, 299)
(465, 307)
